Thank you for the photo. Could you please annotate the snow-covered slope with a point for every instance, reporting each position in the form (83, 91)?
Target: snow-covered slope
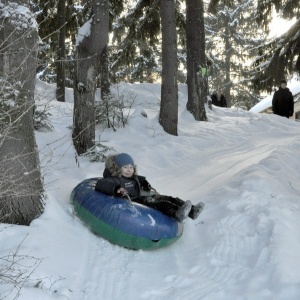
(245, 245)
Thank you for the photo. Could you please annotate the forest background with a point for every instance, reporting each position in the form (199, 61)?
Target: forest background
(239, 57)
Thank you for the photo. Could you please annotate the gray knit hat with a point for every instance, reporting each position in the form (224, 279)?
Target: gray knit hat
(123, 159)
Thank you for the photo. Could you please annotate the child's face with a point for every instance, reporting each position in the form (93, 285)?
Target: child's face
(127, 170)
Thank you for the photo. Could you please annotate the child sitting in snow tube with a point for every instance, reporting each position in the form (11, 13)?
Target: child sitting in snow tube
(120, 179)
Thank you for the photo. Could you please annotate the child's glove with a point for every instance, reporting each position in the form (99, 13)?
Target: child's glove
(121, 191)
(146, 185)
(150, 200)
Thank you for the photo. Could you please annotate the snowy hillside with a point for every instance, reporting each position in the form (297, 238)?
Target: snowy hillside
(244, 246)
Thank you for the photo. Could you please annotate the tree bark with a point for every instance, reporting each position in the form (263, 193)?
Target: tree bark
(228, 54)
(104, 72)
(21, 189)
(61, 49)
(196, 61)
(168, 116)
(87, 52)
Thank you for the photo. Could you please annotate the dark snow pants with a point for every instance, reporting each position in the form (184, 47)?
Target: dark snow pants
(166, 204)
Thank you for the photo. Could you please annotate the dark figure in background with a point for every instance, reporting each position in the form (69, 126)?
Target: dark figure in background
(218, 99)
(283, 101)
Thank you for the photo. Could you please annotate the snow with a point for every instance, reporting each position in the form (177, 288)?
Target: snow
(19, 15)
(83, 32)
(294, 87)
(280, 26)
(245, 245)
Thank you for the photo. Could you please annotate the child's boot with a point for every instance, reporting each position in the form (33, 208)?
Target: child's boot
(196, 210)
(183, 211)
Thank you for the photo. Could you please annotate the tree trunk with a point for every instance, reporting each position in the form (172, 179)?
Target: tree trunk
(168, 116)
(196, 61)
(228, 54)
(104, 81)
(88, 49)
(21, 189)
(60, 53)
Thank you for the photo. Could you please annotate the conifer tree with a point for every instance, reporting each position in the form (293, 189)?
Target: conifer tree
(61, 51)
(168, 115)
(231, 47)
(21, 189)
(196, 59)
(280, 57)
(91, 41)
(51, 31)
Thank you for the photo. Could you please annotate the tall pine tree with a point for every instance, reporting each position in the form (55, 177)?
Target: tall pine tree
(232, 43)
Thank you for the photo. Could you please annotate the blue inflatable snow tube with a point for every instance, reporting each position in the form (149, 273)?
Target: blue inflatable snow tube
(133, 226)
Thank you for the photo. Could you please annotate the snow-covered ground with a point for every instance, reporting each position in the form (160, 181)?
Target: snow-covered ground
(245, 245)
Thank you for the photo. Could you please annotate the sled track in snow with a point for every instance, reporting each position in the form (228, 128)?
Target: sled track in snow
(219, 165)
(240, 256)
(102, 268)
(243, 249)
